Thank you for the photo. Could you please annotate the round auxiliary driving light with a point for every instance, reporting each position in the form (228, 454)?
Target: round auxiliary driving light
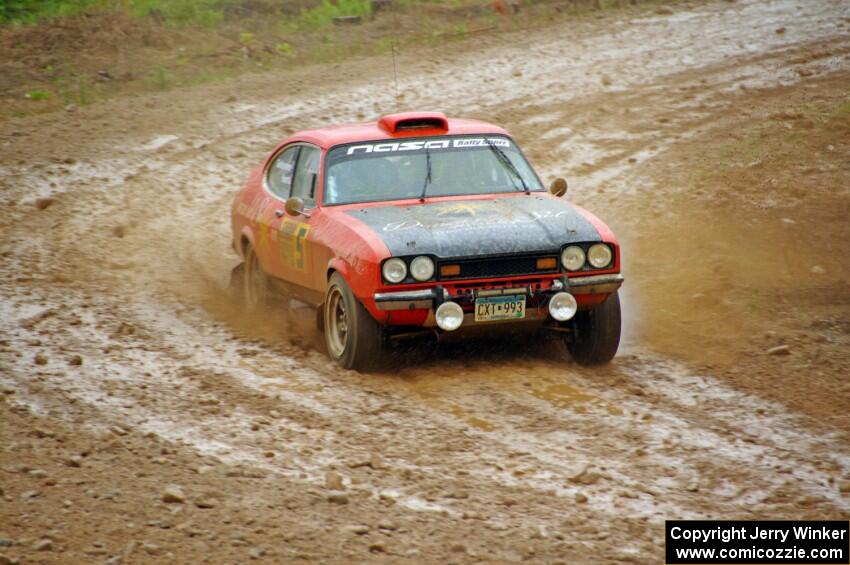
(563, 306)
(449, 316)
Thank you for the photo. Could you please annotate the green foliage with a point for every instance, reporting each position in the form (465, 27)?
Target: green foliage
(322, 15)
(72, 87)
(161, 79)
(32, 11)
(83, 91)
(181, 13)
(384, 45)
(246, 38)
(38, 95)
(176, 13)
(210, 13)
(284, 48)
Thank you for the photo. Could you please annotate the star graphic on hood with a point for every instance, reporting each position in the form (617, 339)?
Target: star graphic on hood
(460, 208)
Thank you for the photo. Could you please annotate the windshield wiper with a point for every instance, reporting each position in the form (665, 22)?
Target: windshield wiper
(428, 175)
(508, 163)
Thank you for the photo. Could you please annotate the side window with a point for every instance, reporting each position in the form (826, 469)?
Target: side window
(280, 173)
(306, 174)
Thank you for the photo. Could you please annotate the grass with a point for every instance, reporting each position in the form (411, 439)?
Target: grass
(161, 79)
(84, 96)
(266, 39)
(72, 88)
(460, 30)
(38, 95)
(181, 13)
(33, 11)
(211, 13)
(174, 13)
(322, 16)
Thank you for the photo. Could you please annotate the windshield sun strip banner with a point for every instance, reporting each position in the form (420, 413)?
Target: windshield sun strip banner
(448, 143)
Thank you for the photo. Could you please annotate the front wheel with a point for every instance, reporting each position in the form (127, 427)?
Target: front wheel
(596, 333)
(353, 338)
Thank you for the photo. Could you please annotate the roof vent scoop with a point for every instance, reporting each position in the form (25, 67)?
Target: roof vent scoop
(406, 121)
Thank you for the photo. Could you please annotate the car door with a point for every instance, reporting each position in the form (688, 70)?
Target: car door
(278, 183)
(294, 242)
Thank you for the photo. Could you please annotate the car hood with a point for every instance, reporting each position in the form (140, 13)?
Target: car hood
(492, 226)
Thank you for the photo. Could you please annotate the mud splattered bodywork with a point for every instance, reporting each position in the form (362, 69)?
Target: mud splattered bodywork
(415, 211)
(479, 227)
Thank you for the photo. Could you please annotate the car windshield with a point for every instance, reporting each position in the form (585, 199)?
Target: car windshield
(434, 166)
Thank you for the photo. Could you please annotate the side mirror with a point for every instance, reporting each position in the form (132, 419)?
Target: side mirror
(558, 187)
(294, 206)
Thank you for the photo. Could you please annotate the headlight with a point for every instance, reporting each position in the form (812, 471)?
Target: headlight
(394, 270)
(422, 268)
(572, 258)
(599, 255)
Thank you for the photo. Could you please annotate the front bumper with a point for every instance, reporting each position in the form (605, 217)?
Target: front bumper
(432, 297)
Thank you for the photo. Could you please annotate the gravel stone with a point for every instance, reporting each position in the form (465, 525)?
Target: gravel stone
(779, 350)
(44, 203)
(173, 494)
(45, 544)
(333, 481)
(359, 529)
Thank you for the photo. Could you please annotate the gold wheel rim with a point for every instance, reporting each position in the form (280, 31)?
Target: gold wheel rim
(336, 323)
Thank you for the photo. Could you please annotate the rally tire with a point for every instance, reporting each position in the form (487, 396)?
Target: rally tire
(352, 336)
(596, 333)
(255, 283)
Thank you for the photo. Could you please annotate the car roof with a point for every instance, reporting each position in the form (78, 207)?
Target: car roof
(395, 126)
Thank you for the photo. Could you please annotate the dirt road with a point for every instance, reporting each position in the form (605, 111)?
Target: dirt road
(125, 369)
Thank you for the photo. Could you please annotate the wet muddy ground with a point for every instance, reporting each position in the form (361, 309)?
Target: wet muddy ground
(146, 420)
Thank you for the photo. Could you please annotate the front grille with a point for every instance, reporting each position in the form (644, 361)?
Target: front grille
(498, 266)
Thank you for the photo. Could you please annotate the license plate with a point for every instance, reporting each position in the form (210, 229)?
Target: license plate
(494, 308)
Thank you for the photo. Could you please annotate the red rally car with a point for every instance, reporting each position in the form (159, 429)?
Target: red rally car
(421, 224)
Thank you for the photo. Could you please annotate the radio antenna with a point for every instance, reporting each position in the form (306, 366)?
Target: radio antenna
(395, 71)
